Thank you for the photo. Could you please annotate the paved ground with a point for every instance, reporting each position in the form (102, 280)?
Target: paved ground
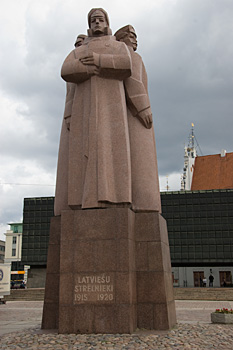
(20, 329)
(19, 315)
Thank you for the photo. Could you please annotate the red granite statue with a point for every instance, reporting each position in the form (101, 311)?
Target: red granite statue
(108, 267)
(145, 184)
(104, 166)
(99, 170)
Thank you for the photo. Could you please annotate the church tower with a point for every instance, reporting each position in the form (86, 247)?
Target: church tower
(190, 154)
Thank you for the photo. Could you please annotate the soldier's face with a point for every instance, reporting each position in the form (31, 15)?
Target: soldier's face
(131, 40)
(98, 23)
(79, 42)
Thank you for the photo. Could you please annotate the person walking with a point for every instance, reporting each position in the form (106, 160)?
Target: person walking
(211, 281)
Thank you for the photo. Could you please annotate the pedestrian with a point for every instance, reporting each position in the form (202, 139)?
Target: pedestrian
(201, 282)
(204, 282)
(211, 280)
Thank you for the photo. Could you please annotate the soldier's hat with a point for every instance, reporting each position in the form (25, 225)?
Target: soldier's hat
(120, 33)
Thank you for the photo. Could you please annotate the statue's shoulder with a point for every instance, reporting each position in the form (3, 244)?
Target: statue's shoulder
(70, 56)
(120, 46)
(79, 49)
(117, 43)
(137, 56)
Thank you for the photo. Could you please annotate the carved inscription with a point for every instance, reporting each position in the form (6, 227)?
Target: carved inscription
(94, 288)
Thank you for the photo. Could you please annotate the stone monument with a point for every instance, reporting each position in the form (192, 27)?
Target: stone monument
(108, 268)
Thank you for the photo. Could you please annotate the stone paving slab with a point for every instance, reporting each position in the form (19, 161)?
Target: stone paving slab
(19, 315)
(193, 311)
(193, 331)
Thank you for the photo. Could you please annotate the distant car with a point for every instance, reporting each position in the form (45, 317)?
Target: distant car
(22, 285)
(17, 285)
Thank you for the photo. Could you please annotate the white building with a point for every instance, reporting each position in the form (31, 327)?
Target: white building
(2, 251)
(13, 251)
(13, 246)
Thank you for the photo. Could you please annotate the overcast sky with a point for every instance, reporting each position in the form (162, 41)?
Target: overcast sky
(187, 48)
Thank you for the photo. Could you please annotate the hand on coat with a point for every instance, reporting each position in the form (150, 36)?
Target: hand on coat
(92, 63)
(93, 70)
(92, 59)
(145, 118)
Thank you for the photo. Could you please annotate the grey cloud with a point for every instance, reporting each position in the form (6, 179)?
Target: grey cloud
(187, 48)
(190, 78)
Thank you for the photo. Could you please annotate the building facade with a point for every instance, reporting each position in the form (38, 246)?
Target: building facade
(14, 242)
(37, 213)
(200, 230)
(13, 252)
(2, 251)
(213, 172)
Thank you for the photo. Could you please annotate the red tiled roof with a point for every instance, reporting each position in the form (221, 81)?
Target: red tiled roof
(213, 172)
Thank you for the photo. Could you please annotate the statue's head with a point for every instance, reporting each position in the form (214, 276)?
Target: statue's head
(128, 35)
(79, 40)
(98, 22)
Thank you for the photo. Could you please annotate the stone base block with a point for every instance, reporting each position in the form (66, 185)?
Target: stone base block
(109, 272)
(156, 316)
(97, 319)
(155, 300)
(97, 272)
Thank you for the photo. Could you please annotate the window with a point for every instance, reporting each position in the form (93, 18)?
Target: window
(15, 229)
(13, 252)
(14, 240)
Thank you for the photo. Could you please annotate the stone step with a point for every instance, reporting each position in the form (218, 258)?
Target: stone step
(31, 294)
(203, 293)
(37, 294)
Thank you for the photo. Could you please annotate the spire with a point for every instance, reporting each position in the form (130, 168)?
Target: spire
(190, 153)
(167, 187)
(192, 136)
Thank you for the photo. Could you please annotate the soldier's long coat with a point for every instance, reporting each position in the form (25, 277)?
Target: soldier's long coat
(99, 165)
(145, 182)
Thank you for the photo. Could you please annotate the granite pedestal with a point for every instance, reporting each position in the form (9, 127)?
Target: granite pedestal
(108, 271)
